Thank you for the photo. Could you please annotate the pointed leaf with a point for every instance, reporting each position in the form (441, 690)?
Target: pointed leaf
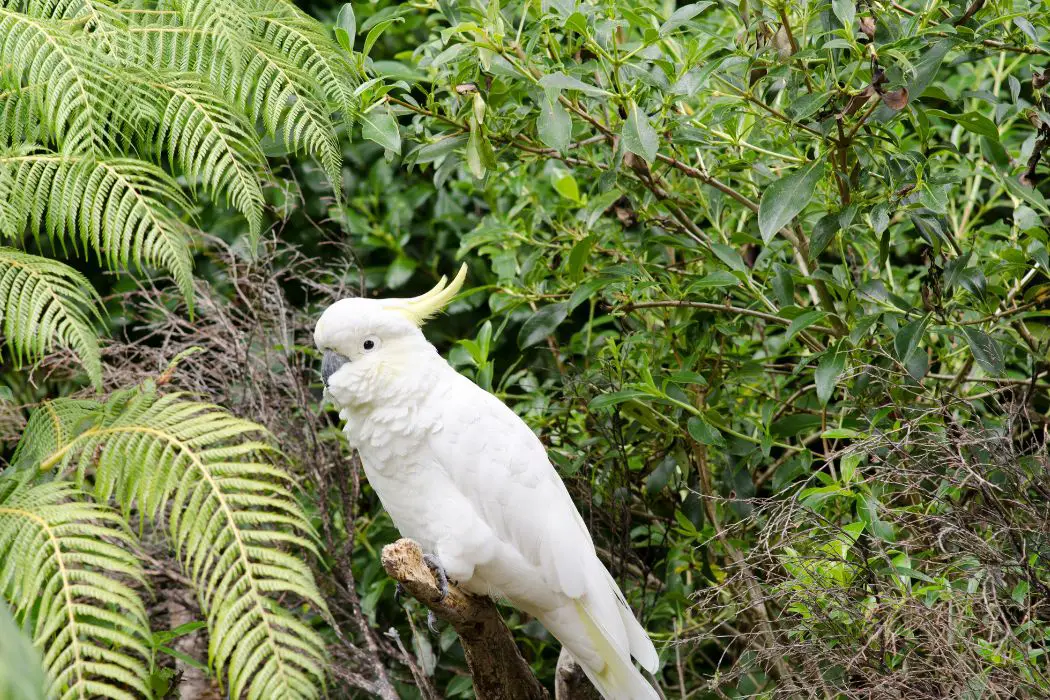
(639, 136)
(786, 197)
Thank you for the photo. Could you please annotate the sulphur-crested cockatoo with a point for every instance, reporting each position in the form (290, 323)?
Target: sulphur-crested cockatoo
(467, 479)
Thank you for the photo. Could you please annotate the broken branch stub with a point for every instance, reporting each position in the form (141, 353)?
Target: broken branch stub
(496, 665)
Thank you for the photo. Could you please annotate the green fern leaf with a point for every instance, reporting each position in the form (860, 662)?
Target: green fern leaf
(207, 139)
(266, 86)
(81, 100)
(117, 207)
(44, 303)
(305, 44)
(230, 514)
(65, 568)
(19, 118)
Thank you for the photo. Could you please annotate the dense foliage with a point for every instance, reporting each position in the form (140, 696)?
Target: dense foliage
(769, 279)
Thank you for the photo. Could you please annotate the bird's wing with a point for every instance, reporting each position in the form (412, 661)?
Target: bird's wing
(499, 465)
(502, 468)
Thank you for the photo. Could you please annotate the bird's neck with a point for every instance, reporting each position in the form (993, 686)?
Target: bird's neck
(384, 404)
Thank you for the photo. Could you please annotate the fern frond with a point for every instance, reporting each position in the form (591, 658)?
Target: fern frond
(19, 118)
(230, 513)
(94, 14)
(21, 669)
(80, 104)
(51, 426)
(305, 43)
(267, 86)
(207, 139)
(44, 303)
(64, 563)
(116, 207)
(226, 20)
(270, 93)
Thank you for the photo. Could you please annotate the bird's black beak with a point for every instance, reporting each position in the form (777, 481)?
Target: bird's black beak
(330, 364)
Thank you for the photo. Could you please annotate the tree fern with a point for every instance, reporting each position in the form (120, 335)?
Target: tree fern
(110, 110)
(304, 44)
(46, 303)
(65, 568)
(116, 207)
(268, 87)
(229, 513)
(19, 118)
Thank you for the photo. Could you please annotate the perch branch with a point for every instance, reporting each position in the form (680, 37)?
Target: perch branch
(498, 669)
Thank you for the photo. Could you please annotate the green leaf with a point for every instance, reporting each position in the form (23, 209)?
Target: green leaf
(541, 324)
(479, 152)
(400, 271)
(565, 185)
(786, 197)
(729, 256)
(974, 122)
(639, 136)
(986, 350)
(554, 125)
(827, 374)
(380, 126)
(578, 256)
(556, 82)
(715, 278)
(375, 32)
(438, 149)
(704, 433)
(346, 27)
(615, 398)
(907, 339)
(184, 658)
(659, 478)
(823, 233)
(783, 285)
(802, 322)
(846, 11)
(682, 15)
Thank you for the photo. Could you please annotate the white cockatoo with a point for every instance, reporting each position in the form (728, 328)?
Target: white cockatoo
(467, 479)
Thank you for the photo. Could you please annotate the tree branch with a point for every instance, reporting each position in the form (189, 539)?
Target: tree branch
(570, 683)
(498, 669)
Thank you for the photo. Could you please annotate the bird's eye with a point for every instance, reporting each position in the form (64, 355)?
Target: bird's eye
(371, 343)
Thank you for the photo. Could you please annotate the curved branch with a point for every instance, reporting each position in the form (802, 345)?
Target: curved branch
(496, 665)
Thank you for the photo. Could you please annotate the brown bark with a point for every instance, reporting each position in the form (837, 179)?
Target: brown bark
(496, 665)
(570, 682)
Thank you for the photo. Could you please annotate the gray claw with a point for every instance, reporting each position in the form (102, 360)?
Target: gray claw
(434, 564)
(432, 621)
(399, 591)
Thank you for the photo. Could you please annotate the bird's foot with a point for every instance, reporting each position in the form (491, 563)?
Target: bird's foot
(434, 564)
(432, 621)
(399, 591)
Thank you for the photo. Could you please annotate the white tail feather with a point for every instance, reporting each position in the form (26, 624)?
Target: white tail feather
(618, 679)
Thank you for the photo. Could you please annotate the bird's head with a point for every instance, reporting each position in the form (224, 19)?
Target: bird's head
(359, 336)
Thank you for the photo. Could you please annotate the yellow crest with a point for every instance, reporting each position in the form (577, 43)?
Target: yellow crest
(419, 309)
